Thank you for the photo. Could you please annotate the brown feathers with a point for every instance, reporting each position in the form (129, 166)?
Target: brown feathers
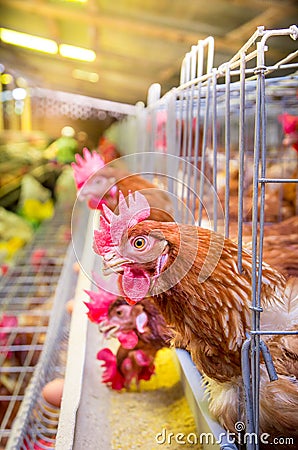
(193, 277)
(159, 201)
(203, 296)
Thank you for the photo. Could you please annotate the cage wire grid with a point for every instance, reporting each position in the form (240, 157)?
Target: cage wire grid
(33, 297)
(33, 304)
(217, 123)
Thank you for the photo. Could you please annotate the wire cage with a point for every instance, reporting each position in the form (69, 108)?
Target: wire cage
(34, 320)
(215, 144)
(34, 325)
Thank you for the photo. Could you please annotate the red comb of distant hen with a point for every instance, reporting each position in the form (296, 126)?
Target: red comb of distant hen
(8, 323)
(87, 166)
(289, 122)
(290, 128)
(99, 305)
(112, 226)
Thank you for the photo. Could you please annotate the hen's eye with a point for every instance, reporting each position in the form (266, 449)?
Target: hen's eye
(139, 243)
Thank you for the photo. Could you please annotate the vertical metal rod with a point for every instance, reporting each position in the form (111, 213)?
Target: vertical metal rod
(179, 145)
(254, 245)
(227, 148)
(200, 68)
(261, 115)
(193, 64)
(214, 139)
(154, 137)
(241, 158)
(268, 361)
(204, 147)
(171, 141)
(141, 135)
(256, 271)
(245, 358)
(153, 96)
(182, 72)
(187, 149)
(184, 125)
(189, 152)
(255, 365)
(196, 147)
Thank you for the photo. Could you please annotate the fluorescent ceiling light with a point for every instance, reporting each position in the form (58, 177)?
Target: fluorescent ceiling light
(84, 75)
(19, 94)
(83, 54)
(46, 45)
(28, 41)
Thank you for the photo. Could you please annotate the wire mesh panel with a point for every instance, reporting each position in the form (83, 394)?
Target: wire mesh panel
(236, 173)
(210, 120)
(27, 299)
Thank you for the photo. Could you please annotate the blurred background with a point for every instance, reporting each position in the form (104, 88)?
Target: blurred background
(114, 50)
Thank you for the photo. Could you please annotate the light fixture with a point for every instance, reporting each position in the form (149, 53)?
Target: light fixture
(28, 41)
(46, 45)
(72, 52)
(19, 94)
(85, 76)
(6, 78)
(21, 82)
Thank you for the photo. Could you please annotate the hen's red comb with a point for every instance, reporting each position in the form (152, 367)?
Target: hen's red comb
(99, 304)
(87, 166)
(112, 226)
(134, 211)
(103, 242)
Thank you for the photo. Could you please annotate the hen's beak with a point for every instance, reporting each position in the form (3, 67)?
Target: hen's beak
(86, 191)
(108, 329)
(112, 262)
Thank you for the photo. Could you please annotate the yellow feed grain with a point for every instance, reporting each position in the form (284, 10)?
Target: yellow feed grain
(151, 418)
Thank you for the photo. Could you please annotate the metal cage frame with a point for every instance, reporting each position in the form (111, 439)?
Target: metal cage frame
(246, 93)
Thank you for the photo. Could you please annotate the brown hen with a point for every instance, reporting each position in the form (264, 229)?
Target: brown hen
(144, 319)
(193, 276)
(99, 185)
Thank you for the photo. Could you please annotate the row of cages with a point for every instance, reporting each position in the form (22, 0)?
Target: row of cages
(35, 324)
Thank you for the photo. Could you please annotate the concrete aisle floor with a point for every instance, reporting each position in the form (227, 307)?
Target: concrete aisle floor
(92, 425)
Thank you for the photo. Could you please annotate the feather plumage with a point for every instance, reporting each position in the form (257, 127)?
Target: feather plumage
(195, 282)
